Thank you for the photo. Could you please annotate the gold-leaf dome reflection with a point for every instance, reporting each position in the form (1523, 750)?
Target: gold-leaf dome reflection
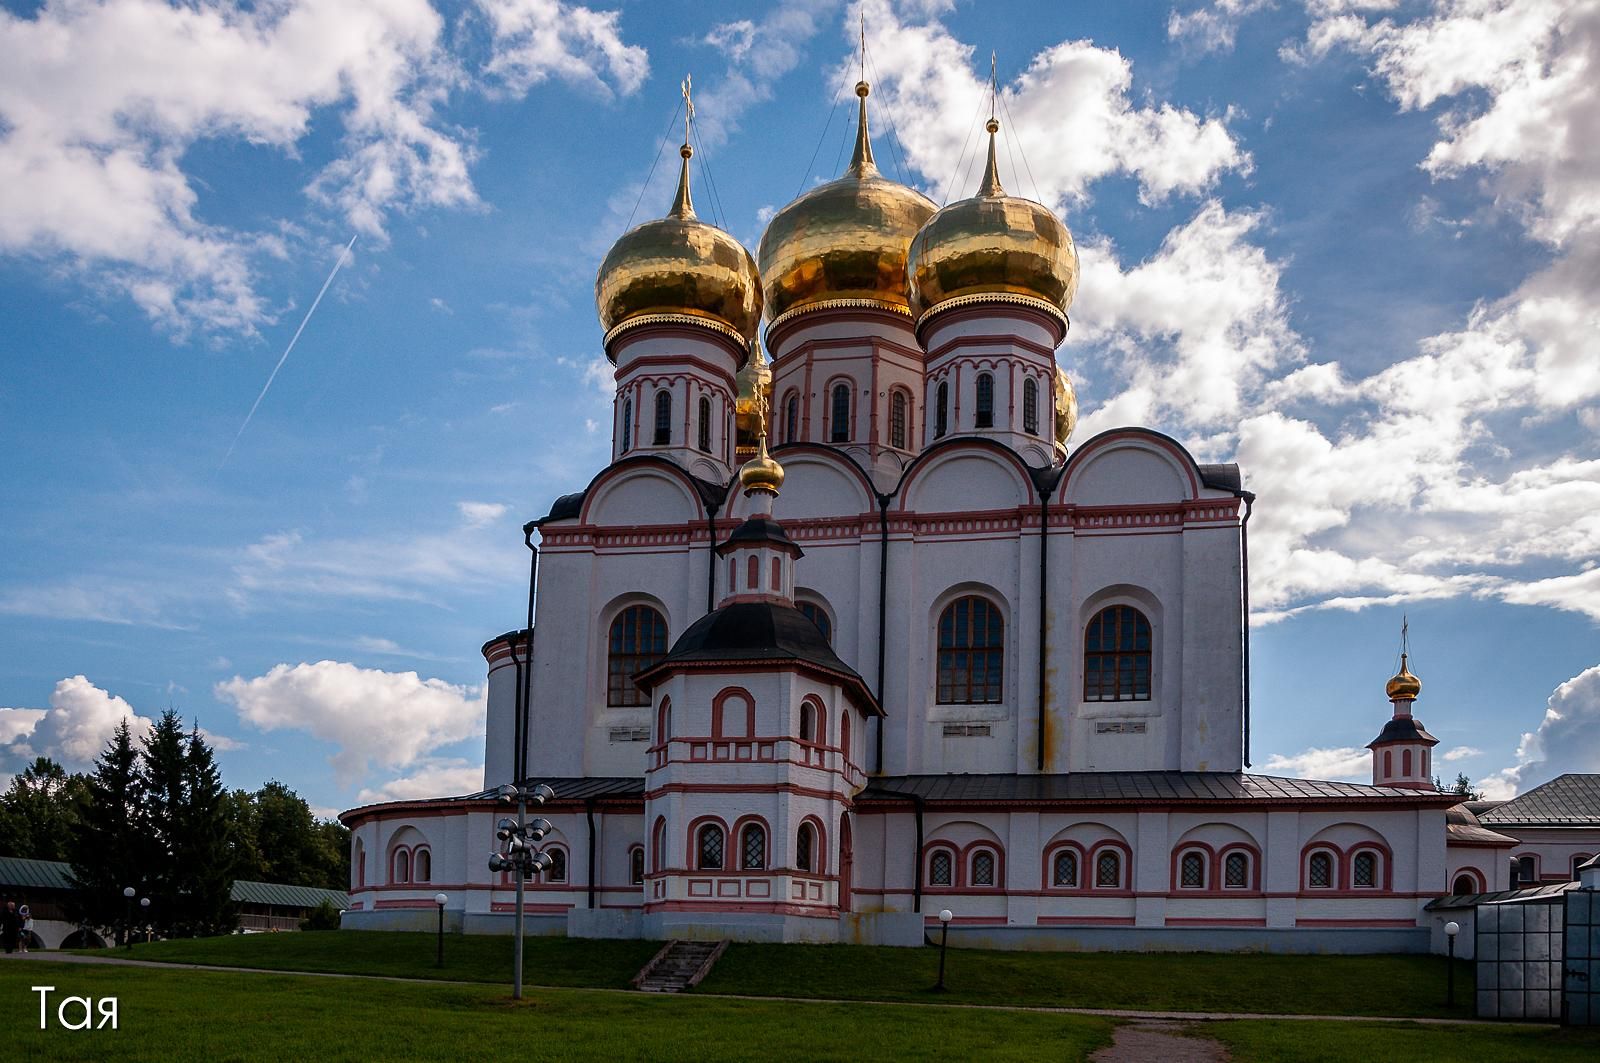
(762, 472)
(993, 245)
(1066, 406)
(1404, 686)
(679, 268)
(753, 399)
(844, 242)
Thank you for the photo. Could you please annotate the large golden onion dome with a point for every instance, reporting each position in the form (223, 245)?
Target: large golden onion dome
(753, 399)
(1066, 406)
(993, 246)
(843, 243)
(762, 472)
(679, 268)
(1404, 686)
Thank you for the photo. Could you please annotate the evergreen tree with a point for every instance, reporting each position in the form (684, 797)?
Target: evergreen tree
(110, 845)
(204, 851)
(162, 774)
(40, 811)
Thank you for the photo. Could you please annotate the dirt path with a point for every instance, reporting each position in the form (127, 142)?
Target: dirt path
(1145, 1041)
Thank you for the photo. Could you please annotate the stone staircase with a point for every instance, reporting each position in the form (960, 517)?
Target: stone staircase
(678, 966)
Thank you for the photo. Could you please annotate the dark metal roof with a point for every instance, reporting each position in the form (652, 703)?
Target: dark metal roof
(1133, 787)
(567, 507)
(282, 896)
(1534, 894)
(1222, 477)
(1461, 825)
(519, 637)
(1403, 729)
(1566, 800)
(17, 873)
(567, 789)
(759, 528)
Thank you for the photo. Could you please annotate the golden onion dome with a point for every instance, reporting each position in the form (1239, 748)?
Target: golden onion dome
(762, 472)
(755, 396)
(679, 269)
(843, 243)
(1404, 686)
(1066, 406)
(993, 246)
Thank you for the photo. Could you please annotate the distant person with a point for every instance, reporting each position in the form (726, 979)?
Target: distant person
(10, 927)
(26, 915)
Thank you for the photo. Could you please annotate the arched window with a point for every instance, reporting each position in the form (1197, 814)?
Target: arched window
(638, 640)
(971, 645)
(705, 424)
(752, 573)
(1405, 762)
(1319, 871)
(844, 733)
(358, 863)
(658, 844)
(1064, 869)
(1192, 871)
(663, 418)
(1388, 763)
(1527, 870)
(1116, 656)
(941, 410)
(664, 722)
(1425, 765)
(753, 847)
(557, 871)
(775, 576)
(733, 715)
(805, 848)
(791, 419)
(1030, 406)
(839, 422)
(1108, 869)
(1464, 885)
(627, 424)
(636, 865)
(1236, 871)
(985, 416)
(401, 872)
(708, 846)
(422, 866)
(819, 617)
(897, 420)
(941, 868)
(808, 722)
(983, 868)
(1364, 870)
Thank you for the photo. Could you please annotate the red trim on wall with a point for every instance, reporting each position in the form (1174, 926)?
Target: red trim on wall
(1212, 921)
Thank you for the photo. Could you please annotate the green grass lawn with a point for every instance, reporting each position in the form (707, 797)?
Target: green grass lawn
(182, 1016)
(1341, 1042)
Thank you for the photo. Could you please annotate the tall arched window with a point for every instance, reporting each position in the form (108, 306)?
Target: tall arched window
(1192, 871)
(1364, 870)
(1236, 871)
(808, 722)
(941, 408)
(1405, 762)
(844, 738)
(805, 848)
(941, 868)
(983, 863)
(709, 846)
(358, 863)
(1030, 406)
(819, 617)
(422, 866)
(557, 872)
(658, 844)
(1116, 656)
(752, 572)
(775, 576)
(638, 640)
(1527, 870)
(971, 647)
(897, 420)
(1108, 869)
(791, 419)
(753, 847)
(664, 722)
(1319, 871)
(1064, 869)
(636, 865)
(663, 418)
(705, 424)
(401, 871)
(985, 415)
(839, 422)
(627, 424)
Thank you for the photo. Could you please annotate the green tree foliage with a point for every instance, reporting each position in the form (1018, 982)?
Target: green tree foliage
(323, 917)
(40, 811)
(110, 845)
(1463, 786)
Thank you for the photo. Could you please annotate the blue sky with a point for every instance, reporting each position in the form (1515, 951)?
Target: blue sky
(1348, 243)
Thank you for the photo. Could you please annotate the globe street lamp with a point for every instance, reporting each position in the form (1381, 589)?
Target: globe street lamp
(144, 903)
(945, 916)
(1451, 929)
(127, 916)
(439, 899)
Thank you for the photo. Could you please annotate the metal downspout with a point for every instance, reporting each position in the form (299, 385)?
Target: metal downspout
(1044, 585)
(525, 676)
(883, 623)
(588, 811)
(1244, 621)
(711, 557)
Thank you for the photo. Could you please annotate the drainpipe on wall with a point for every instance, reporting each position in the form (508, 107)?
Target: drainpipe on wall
(525, 674)
(711, 557)
(916, 866)
(1044, 594)
(1244, 621)
(883, 618)
(588, 811)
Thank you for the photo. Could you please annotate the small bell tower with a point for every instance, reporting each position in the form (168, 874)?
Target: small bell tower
(1402, 753)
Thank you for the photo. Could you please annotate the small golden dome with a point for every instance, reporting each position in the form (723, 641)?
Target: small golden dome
(762, 472)
(1404, 686)
(845, 242)
(993, 245)
(1066, 406)
(679, 268)
(755, 396)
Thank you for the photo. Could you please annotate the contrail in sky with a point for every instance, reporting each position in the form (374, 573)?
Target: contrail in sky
(295, 339)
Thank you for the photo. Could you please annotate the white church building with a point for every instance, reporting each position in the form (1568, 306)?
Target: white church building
(842, 639)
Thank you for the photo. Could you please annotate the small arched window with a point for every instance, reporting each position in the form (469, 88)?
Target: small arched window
(839, 422)
(941, 410)
(358, 863)
(705, 424)
(819, 617)
(971, 648)
(1236, 871)
(983, 868)
(844, 734)
(709, 846)
(1388, 763)
(638, 640)
(636, 865)
(422, 866)
(753, 847)
(557, 872)
(1405, 762)
(664, 722)
(1116, 656)
(1527, 870)
(897, 420)
(658, 844)
(1192, 871)
(1364, 870)
(1030, 406)
(805, 848)
(775, 576)
(627, 425)
(1319, 871)
(985, 415)
(752, 573)
(663, 434)
(402, 866)
(808, 722)
(1108, 869)
(1064, 869)
(734, 716)
(941, 868)
(791, 419)
(1464, 885)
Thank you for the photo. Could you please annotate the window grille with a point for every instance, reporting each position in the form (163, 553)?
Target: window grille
(753, 845)
(710, 846)
(897, 420)
(971, 648)
(983, 869)
(663, 418)
(985, 417)
(1030, 407)
(941, 422)
(803, 843)
(1108, 869)
(939, 869)
(1193, 872)
(1064, 870)
(839, 429)
(638, 640)
(705, 425)
(1116, 656)
(1364, 870)
(1320, 873)
(1236, 871)
(627, 425)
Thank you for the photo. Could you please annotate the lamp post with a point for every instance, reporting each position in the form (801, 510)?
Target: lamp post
(519, 856)
(127, 916)
(144, 913)
(439, 899)
(1451, 929)
(945, 915)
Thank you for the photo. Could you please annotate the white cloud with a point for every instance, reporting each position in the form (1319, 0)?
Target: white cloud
(73, 730)
(1461, 753)
(535, 40)
(389, 719)
(477, 514)
(1345, 762)
(1566, 740)
(1211, 27)
(220, 743)
(451, 777)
